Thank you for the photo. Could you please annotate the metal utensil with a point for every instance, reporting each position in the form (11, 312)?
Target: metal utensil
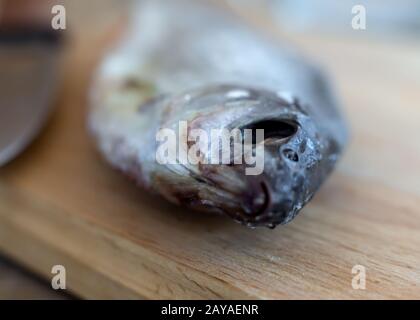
(28, 79)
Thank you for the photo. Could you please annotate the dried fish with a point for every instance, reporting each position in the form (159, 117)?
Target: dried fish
(187, 61)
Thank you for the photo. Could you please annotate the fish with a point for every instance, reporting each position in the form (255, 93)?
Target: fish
(193, 63)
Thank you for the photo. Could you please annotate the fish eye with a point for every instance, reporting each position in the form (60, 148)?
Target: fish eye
(273, 129)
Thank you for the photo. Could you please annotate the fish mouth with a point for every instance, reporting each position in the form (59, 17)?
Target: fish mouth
(260, 209)
(257, 202)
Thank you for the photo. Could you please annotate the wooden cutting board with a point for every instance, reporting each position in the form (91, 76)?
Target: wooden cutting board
(61, 204)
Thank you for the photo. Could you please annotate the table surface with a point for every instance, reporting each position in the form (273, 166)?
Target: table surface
(61, 204)
(16, 283)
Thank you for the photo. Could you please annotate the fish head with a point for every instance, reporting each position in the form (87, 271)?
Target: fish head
(275, 173)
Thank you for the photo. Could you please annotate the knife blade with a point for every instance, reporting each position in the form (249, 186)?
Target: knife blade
(28, 80)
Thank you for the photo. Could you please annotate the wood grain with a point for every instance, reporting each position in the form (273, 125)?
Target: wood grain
(61, 204)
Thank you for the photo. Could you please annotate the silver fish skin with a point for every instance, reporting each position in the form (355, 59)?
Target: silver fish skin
(189, 61)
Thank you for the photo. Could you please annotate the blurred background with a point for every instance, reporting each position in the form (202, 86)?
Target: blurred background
(387, 18)
(52, 69)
